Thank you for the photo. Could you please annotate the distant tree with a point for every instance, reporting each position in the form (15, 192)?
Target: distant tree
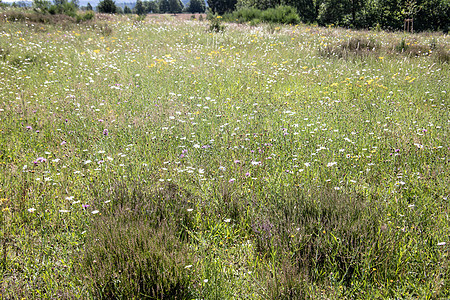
(196, 6)
(175, 6)
(139, 8)
(127, 10)
(222, 6)
(41, 6)
(151, 6)
(107, 6)
(89, 6)
(164, 6)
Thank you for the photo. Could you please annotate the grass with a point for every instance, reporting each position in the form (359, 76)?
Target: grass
(297, 163)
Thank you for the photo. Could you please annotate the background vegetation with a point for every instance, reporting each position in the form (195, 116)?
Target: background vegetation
(153, 158)
(385, 14)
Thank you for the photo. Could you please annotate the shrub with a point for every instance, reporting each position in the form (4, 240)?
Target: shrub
(215, 24)
(280, 15)
(135, 249)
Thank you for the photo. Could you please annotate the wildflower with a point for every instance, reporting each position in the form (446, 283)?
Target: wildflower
(330, 164)
(105, 132)
(227, 220)
(94, 212)
(31, 210)
(231, 180)
(222, 168)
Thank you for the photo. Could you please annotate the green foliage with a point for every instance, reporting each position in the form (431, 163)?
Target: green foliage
(196, 6)
(89, 15)
(139, 8)
(151, 6)
(89, 6)
(126, 10)
(387, 14)
(164, 6)
(281, 14)
(278, 15)
(41, 6)
(215, 24)
(107, 6)
(64, 7)
(221, 7)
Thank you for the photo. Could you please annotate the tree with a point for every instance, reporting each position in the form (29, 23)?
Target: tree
(175, 6)
(107, 6)
(222, 6)
(196, 6)
(139, 8)
(41, 6)
(151, 6)
(164, 6)
(89, 6)
(126, 10)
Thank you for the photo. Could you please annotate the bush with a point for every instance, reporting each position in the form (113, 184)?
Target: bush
(135, 249)
(279, 15)
(282, 15)
(215, 24)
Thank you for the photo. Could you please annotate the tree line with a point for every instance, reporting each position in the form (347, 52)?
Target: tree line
(383, 14)
(157, 6)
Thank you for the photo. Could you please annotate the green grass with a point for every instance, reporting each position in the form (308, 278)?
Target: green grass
(302, 162)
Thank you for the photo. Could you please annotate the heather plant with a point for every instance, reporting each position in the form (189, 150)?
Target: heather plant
(133, 250)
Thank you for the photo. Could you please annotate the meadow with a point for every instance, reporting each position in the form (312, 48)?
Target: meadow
(157, 159)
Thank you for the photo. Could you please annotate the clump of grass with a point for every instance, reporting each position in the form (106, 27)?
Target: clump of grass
(442, 56)
(354, 47)
(135, 249)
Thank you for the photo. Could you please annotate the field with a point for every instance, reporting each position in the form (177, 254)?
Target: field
(157, 159)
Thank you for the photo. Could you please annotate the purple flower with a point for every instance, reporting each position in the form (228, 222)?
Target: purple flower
(105, 131)
(29, 127)
(231, 180)
(247, 174)
(85, 205)
(39, 159)
(63, 143)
